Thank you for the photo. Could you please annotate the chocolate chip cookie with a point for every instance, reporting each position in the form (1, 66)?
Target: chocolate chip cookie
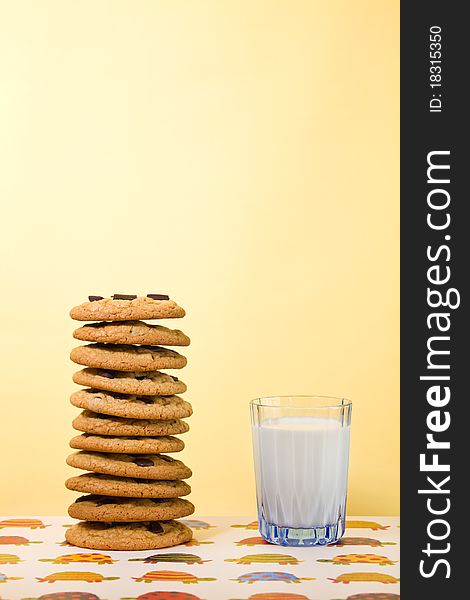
(146, 535)
(145, 466)
(91, 422)
(126, 445)
(149, 383)
(123, 307)
(111, 508)
(132, 407)
(127, 358)
(110, 485)
(131, 332)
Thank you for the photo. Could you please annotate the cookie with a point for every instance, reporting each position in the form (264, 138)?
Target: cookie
(90, 422)
(110, 508)
(108, 485)
(135, 308)
(146, 535)
(126, 445)
(147, 466)
(151, 383)
(127, 358)
(132, 407)
(131, 332)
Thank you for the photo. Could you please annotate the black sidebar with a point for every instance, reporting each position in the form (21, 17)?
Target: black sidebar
(435, 355)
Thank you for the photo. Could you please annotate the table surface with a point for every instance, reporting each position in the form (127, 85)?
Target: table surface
(226, 560)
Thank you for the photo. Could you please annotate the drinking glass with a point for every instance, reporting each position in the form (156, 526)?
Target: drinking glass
(301, 455)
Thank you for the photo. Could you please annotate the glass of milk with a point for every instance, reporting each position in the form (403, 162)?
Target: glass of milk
(301, 454)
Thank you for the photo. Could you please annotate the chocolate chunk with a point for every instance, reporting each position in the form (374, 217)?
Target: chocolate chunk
(155, 527)
(145, 399)
(174, 378)
(102, 500)
(140, 377)
(141, 461)
(106, 374)
(158, 296)
(95, 298)
(165, 458)
(124, 297)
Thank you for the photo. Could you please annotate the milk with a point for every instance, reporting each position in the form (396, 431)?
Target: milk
(301, 468)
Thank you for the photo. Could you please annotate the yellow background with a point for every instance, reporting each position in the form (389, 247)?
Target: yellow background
(241, 156)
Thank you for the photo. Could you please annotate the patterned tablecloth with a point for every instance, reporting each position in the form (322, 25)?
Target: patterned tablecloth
(226, 560)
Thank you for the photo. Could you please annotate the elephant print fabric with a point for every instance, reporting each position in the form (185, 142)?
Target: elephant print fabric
(226, 560)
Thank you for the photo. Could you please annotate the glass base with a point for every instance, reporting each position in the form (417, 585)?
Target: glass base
(293, 536)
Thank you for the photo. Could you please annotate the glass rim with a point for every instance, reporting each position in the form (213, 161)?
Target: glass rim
(264, 402)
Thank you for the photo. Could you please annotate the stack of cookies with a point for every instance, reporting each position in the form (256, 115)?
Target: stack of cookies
(130, 415)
